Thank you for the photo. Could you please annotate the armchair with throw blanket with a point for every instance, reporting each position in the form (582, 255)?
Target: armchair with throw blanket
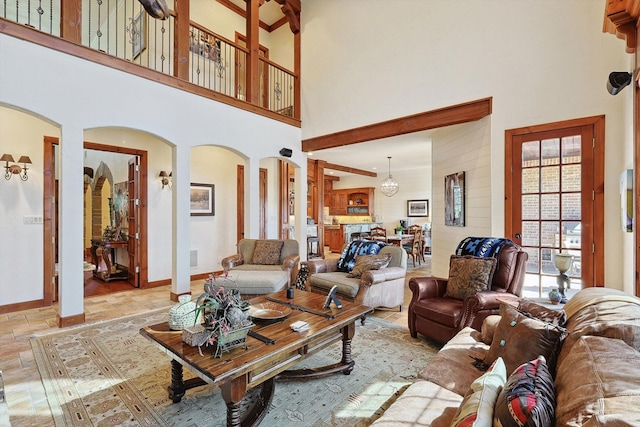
(483, 272)
(368, 272)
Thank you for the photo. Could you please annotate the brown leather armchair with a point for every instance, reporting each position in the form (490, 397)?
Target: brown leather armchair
(440, 318)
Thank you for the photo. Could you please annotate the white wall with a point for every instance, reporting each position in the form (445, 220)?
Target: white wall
(78, 96)
(456, 149)
(541, 61)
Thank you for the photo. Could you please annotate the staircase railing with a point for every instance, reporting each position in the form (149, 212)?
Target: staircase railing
(121, 28)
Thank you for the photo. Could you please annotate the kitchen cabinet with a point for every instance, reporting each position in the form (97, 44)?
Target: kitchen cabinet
(350, 201)
(334, 238)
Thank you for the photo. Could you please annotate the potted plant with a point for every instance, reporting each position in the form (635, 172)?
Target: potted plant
(224, 315)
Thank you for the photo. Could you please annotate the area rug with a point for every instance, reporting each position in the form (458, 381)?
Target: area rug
(108, 374)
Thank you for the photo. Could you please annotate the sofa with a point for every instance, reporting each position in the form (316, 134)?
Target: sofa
(263, 266)
(368, 272)
(590, 357)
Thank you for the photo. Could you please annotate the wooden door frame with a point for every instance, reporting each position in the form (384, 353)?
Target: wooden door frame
(49, 218)
(597, 195)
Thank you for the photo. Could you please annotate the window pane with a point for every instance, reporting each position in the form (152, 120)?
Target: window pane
(550, 206)
(530, 233)
(532, 262)
(531, 207)
(550, 179)
(550, 236)
(530, 180)
(551, 151)
(571, 236)
(531, 154)
(571, 176)
(572, 149)
(571, 206)
(547, 261)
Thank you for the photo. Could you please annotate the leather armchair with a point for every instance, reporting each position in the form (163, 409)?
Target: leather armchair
(440, 318)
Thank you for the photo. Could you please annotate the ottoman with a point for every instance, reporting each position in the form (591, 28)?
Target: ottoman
(253, 282)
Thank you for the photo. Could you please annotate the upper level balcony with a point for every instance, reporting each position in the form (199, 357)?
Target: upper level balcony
(244, 54)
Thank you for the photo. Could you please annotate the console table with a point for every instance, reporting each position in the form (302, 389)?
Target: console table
(114, 271)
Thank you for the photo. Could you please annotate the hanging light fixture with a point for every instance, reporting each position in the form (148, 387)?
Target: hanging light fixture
(389, 186)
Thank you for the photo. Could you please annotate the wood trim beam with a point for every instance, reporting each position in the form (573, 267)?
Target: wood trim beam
(620, 19)
(447, 116)
(237, 9)
(331, 178)
(341, 168)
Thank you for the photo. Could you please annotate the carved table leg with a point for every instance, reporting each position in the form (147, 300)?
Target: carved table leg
(176, 389)
(347, 335)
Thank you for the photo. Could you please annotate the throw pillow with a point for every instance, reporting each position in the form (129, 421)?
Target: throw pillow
(519, 338)
(369, 262)
(549, 315)
(528, 398)
(267, 252)
(469, 275)
(476, 408)
(352, 250)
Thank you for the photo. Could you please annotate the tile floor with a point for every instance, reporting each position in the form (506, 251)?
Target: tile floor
(25, 397)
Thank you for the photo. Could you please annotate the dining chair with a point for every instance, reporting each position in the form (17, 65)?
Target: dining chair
(415, 250)
(378, 233)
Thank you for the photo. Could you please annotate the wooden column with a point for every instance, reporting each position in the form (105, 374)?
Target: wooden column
(253, 46)
(181, 40)
(71, 17)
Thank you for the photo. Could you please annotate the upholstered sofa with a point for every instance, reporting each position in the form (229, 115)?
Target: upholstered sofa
(377, 287)
(592, 380)
(263, 266)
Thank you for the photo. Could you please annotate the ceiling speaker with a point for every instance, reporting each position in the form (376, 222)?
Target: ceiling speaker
(617, 81)
(286, 152)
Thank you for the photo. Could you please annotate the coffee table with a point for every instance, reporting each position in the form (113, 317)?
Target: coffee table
(260, 363)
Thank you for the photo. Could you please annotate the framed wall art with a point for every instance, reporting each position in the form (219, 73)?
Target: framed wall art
(454, 195)
(202, 199)
(417, 208)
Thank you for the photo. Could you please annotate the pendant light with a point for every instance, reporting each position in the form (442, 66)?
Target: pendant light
(389, 186)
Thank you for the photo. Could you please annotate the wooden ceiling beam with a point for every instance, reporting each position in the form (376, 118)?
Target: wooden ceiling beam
(447, 116)
(341, 168)
(331, 178)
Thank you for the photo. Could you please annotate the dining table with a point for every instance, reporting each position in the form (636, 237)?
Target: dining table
(406, 239)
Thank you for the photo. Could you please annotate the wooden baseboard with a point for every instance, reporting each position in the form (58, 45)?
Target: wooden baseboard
(77, 319)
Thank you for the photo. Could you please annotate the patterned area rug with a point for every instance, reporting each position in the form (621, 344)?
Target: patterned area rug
(108, 374)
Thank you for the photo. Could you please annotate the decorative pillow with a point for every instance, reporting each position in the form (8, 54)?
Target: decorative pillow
(352, 250)
(549, 315)
(369, 262)
(519, 338)
(267, 252)
(528, 398)
(476, 408)
(469, 275)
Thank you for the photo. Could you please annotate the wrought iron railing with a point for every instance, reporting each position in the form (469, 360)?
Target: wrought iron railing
(123, 29)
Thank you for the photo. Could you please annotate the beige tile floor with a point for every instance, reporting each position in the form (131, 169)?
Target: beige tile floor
(25, 397)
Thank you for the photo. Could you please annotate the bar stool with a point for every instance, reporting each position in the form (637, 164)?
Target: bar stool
(313, 247)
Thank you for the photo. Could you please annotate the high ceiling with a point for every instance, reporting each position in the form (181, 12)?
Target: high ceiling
(407, 152)
(270, 11)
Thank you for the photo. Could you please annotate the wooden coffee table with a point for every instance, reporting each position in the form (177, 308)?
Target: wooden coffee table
(260, 363)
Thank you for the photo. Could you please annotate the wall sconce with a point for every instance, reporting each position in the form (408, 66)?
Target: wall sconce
(165, 179)
(15, 169)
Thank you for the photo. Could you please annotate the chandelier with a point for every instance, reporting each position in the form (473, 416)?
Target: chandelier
(389, 186)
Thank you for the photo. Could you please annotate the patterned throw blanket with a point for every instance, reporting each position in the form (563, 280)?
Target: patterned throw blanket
(357, 247)
(485, 247)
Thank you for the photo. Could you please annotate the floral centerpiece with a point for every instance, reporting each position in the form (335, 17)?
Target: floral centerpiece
(225, 315)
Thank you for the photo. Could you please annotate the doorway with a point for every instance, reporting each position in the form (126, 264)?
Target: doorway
(555, 200)
(264, 175)
(112, 205)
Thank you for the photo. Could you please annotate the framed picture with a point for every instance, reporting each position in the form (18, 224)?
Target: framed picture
(138, 34)
(454, 195)
(202, 199)
(626, 195)
(417, 208)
